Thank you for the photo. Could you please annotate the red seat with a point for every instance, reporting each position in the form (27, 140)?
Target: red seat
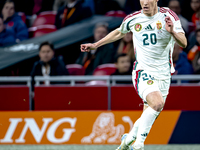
(23, 16)
(46, 17)
(117, 13)
(75, 69)
(105, 69)
(41, 30)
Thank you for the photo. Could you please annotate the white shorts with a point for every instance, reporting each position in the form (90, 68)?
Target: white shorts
(145, 83)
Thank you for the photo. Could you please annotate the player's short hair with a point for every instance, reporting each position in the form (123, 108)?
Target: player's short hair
(102, 24)
(46, 43)
(118, 56)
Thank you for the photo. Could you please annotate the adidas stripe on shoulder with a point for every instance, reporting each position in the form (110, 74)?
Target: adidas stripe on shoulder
(173, 14)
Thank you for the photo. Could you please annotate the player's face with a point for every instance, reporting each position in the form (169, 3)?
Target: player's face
(46, 53)
(100, 33)
(195, 4)
(149, 7)
(123, 64)
(8, 10)
(1, 25)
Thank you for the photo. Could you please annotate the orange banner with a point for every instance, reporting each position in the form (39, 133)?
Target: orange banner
(80, 127)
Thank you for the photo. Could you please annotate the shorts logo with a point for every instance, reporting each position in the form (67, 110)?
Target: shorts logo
(150, 82)
(138, 27)
(159, 25)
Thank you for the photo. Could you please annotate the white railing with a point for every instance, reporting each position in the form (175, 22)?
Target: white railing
(180, 78)
(27, 80)
(71, 79)
(110, 80)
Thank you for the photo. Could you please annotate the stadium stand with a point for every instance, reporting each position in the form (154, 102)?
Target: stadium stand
(28, 49)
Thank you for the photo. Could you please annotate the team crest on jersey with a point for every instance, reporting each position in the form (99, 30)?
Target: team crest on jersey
(159, 25)
(150, 82)
(138, 27)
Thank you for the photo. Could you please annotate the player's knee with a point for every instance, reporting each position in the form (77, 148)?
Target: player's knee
(155, 101)
(158, 105)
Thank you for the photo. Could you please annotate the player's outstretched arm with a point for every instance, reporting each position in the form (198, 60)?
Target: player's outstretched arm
(179, 37)
(111, 37)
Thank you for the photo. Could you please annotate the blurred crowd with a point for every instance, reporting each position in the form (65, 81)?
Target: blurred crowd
(18, 17)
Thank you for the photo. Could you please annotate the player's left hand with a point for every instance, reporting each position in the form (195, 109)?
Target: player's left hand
(169, 24)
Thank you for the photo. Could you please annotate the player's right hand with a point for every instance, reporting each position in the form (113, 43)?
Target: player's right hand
(87, 47)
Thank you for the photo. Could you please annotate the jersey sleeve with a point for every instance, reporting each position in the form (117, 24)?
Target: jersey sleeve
(177, 24)
(124, 28)
(178, 27)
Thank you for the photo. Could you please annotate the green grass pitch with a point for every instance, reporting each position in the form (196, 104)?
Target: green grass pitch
(95, 147)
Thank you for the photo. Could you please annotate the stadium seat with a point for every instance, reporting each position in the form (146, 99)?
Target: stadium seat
(105, 69)
(23, 16)
(44, 18)
(117, 13)
(41, 30)
(75, 69)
